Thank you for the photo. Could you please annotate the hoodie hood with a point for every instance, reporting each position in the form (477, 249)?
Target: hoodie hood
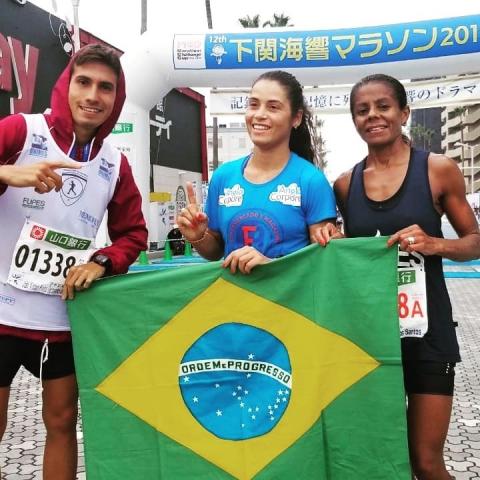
(60, 118)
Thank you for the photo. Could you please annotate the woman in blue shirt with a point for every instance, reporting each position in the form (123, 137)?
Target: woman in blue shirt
(273, 201)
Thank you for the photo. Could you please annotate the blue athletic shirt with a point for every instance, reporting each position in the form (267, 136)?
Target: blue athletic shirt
(272, 217)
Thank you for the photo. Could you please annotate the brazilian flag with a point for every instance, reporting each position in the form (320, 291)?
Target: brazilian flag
(291, 372)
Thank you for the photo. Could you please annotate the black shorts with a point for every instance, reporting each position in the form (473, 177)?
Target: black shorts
(435, 378)
(15, 352)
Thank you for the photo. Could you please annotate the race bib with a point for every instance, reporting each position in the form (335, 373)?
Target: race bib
(412, 295)
(43, 256)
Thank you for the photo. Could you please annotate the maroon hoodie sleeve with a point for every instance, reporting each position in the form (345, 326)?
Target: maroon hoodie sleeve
(126, 225)
(13, 131)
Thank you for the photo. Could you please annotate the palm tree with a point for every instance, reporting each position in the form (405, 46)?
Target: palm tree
(250, 22)
(422, 135)
(320, 150)
(278, 21)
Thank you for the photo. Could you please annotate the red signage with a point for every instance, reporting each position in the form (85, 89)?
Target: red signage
(19, 63)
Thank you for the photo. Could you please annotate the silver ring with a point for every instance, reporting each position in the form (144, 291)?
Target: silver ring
(411, 240)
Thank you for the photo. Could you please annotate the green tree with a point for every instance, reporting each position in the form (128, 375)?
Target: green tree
(250, 22)
(320, 150)
(278, 21)
(422, 135)
(461, 112)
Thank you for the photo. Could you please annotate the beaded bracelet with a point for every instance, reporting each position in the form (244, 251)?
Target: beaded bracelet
(194, 242)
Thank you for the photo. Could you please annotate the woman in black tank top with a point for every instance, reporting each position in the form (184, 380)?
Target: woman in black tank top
(403, 192)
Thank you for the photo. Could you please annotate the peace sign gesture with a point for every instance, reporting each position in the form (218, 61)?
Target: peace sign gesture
(191, 221)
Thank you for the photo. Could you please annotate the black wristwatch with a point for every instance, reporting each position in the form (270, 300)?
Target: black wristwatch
(103, 261)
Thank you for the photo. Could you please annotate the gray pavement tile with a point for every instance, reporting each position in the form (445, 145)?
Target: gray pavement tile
(464, 475)
(460, 466)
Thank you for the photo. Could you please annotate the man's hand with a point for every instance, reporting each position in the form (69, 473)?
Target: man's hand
(244, 259)
(41, 176)
(191, 221)
(80, 278)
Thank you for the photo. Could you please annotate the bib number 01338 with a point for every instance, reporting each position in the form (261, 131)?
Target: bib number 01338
(42, 258)
(44, 261)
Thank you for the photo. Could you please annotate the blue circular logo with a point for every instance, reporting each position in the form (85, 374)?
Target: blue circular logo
(236, 381)
(254, 227)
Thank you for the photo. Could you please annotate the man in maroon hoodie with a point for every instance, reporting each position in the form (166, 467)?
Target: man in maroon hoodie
(57, 179)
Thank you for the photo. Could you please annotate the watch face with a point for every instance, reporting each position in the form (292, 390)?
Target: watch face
(102, 260)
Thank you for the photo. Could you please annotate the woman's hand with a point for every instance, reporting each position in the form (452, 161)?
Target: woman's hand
(414, 239)
(244, 259)
(191, 221)
(322, 233)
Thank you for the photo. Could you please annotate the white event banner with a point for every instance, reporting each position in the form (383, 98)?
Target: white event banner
(336, 99)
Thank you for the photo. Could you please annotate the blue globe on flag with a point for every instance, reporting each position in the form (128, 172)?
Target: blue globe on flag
(236, 381)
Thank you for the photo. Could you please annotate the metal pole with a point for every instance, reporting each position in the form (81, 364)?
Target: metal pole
(214, 119)
(472, 176)
(143, 26)
(76, 26)
(215, 143)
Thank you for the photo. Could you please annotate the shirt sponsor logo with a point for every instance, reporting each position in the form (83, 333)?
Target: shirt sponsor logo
(106, 169)
(33, 203)
(232, 197)
(37, 232)
(38, 147)
(74, 184)
(85, 217)
(256, 228)
(7, 300)
(67, 241)
(288, 195)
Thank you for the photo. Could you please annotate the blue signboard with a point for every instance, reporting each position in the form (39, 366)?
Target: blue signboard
(330, 48)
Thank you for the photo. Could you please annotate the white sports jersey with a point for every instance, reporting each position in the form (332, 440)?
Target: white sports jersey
(76, 210)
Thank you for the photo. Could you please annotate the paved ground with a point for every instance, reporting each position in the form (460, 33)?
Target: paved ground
(21, 450)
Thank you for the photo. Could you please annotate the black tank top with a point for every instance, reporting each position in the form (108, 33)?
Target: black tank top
(411, 204)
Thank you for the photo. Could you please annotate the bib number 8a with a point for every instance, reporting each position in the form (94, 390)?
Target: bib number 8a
(43, 261)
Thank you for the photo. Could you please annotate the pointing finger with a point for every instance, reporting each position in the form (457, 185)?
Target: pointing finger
(64, 164)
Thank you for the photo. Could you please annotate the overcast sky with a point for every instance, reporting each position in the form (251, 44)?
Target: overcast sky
(118, 22)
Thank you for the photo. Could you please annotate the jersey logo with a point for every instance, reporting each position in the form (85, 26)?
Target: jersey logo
(74, 184)
(255, 227)
(39, 146)
(288, 195)
(248, 232)
(89, 219)
(232, 197)
(105, 169)
(7, 300)
(33, 203)
(37, 232)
